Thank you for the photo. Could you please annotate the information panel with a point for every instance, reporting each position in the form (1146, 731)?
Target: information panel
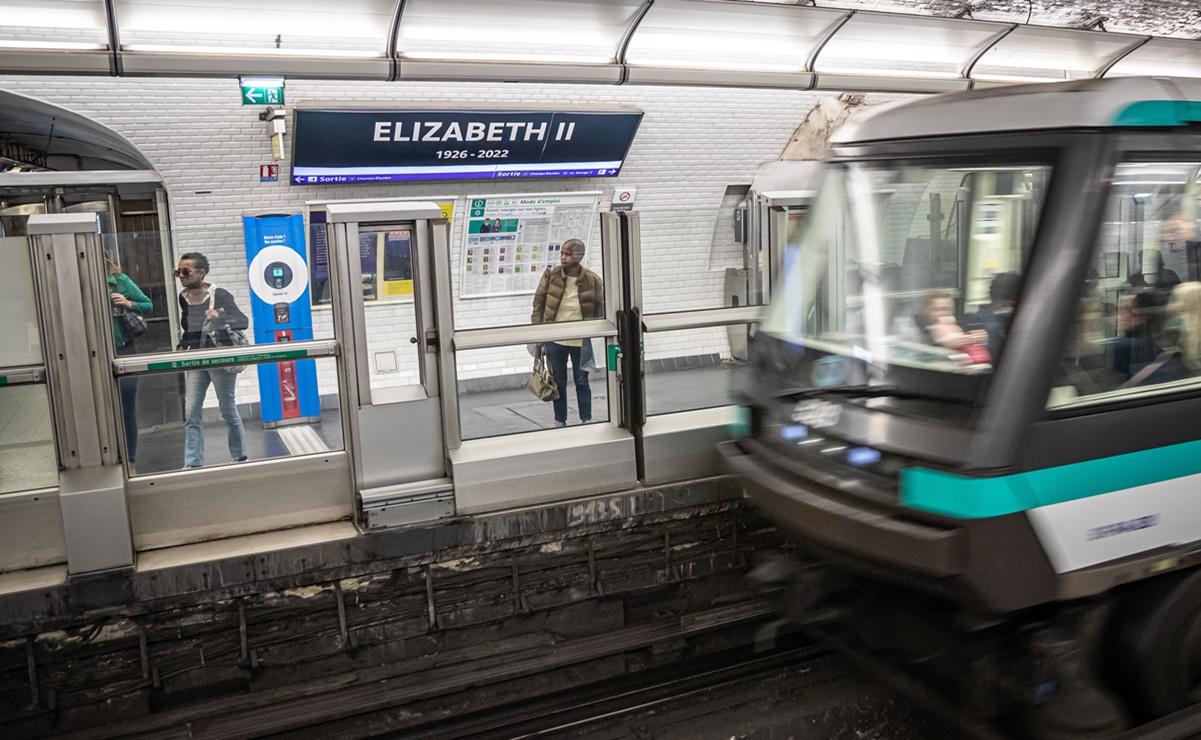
(510, 241)
(380, 145)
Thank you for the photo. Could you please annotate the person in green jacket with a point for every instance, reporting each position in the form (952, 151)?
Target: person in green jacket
(126, 295)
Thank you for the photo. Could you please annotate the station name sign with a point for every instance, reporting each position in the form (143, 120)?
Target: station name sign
(334, 146)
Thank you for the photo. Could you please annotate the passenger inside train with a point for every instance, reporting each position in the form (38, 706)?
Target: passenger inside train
(995, 316)
(935, 319)
(1184, 311)
(1137, 323)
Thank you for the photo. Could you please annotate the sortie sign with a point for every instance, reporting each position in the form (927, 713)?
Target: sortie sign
(223, 361)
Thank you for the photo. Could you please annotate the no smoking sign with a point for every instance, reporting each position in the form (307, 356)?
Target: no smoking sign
(623, 199)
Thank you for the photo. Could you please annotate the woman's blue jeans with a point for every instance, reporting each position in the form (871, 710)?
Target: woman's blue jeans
(556, 359)
(129, 407)
(225, 384)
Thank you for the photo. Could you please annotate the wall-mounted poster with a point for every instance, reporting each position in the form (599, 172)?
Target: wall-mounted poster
(509, 241)
(368, 256)
(398, 263)
(389, 250)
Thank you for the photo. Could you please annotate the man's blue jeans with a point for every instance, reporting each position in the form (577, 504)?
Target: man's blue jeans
(225, 385)
(556, 359)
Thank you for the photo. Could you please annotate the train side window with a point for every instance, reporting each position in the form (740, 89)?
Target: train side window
(1138, 325)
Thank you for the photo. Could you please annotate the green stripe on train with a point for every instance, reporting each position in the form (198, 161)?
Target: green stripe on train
(975, 498)
(1159, 113)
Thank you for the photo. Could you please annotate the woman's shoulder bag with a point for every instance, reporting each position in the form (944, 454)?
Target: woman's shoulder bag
(222, 334)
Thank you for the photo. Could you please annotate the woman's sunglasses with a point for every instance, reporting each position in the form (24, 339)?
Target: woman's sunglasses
(183, 271)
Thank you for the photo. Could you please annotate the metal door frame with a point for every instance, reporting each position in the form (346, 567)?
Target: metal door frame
(535, 467)
(387, 493)
(76, 332)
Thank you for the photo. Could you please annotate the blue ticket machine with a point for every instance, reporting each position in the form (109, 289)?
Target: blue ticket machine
(279, 298)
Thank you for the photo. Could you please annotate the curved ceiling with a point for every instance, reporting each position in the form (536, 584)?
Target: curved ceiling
(39, 137)
(687, 42)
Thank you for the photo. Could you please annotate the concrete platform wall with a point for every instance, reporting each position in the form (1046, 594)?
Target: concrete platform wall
(619, 582)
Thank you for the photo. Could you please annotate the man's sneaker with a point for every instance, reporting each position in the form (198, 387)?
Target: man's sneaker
(560, 424)
(241, 459)
(192, 467)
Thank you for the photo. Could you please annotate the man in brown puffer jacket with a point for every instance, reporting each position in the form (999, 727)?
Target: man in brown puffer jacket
(569, 292)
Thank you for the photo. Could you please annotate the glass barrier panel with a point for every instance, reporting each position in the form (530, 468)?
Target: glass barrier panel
(692, 368)
(20, 337)
(211, 416)
(494, 400)
(710, 271)
(27, 459)
(259, 279)
(501, 255)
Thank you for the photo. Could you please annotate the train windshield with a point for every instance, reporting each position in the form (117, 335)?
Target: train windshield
(904, 269)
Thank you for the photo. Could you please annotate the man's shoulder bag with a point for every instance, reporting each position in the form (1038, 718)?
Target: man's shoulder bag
(541, 382)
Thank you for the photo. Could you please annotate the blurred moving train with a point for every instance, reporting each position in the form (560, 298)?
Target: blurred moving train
(978, 391)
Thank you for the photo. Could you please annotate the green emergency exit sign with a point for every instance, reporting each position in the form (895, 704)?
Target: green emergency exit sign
(262, 92)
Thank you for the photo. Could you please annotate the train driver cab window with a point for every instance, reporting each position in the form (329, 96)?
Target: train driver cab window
(1138, 325)
(911, 267)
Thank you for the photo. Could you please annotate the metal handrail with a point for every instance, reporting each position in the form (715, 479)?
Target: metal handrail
(250, 354)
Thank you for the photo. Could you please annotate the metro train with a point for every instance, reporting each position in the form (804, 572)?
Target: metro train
(975, 402)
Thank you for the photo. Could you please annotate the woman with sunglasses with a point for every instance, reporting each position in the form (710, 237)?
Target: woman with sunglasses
(206, 310)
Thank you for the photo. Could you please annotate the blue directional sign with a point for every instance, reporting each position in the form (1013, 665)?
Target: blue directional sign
(332, 146)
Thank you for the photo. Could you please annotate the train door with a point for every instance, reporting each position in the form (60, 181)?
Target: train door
(387, 256)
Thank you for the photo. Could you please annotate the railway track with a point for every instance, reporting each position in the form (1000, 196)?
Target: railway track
(806, 690)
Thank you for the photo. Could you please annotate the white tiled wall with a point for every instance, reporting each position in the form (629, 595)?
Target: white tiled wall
(692, 145)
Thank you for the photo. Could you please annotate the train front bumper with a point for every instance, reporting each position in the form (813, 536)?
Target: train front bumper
(809, 503)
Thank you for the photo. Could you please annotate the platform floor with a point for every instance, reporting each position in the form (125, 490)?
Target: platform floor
(26, 437)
